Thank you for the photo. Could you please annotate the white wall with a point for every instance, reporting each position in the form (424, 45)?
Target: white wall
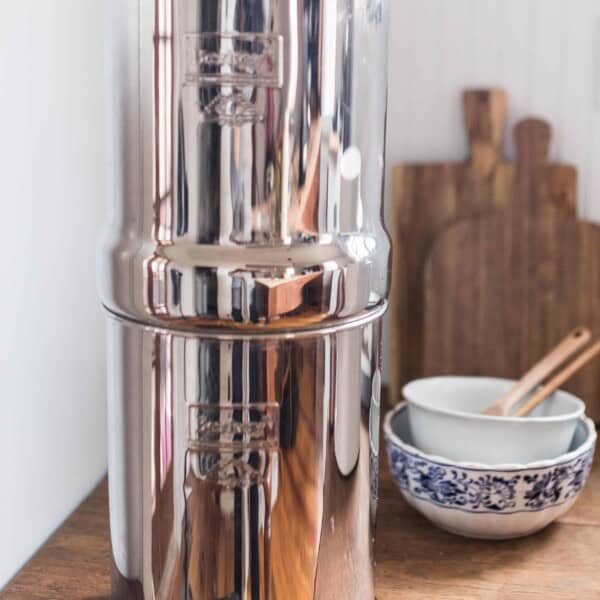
(545, 53)
(52, 423)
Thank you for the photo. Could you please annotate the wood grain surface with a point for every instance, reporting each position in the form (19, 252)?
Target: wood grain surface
(75, 563)
(415, 560)
(502, 289)
(429, 198)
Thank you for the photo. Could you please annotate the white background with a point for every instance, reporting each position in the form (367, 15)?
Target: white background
(546, 53)
(52, 419)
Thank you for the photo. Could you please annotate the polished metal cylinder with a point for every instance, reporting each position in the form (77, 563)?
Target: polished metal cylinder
(245, 274)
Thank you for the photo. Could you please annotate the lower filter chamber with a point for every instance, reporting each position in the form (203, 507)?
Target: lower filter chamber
(244, 468)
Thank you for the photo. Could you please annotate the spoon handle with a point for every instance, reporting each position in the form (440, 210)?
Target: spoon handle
(574, 342)
(558, 380)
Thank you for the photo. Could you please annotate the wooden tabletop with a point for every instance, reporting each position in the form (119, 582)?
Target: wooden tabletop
(415, 561)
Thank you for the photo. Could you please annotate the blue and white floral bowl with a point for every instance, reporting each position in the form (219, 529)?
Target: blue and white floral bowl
(479, 501)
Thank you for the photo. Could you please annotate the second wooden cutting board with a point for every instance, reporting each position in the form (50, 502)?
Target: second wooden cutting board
(502, 289)
(429, 198)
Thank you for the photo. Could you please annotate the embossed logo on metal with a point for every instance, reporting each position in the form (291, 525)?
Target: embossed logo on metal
(231, 445)
(230, 473)
(233, 427)
(232, 109)
(248, 59)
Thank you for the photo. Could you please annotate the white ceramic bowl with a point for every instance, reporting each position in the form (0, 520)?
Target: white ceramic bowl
(445, 418)
(489, 502)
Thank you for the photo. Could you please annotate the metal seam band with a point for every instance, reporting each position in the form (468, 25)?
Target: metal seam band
(232, 334)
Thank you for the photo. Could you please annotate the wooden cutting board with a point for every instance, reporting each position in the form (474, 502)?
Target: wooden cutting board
(429, 198)
(502, 289)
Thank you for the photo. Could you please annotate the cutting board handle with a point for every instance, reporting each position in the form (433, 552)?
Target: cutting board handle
(485, 120)
(533, 138)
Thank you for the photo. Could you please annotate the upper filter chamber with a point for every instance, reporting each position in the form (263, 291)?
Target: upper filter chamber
(247, 156)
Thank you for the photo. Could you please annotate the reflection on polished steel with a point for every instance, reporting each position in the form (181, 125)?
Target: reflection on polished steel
(252, 138)
(244, 468)
(245, 270)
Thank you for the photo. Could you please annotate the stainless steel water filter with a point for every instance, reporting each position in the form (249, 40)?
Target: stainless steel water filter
(245, 275)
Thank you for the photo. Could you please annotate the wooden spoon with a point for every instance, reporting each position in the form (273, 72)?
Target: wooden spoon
(574, 342)
(558, 380)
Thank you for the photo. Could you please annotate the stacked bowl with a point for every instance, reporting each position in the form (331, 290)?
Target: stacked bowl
(486, 476)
